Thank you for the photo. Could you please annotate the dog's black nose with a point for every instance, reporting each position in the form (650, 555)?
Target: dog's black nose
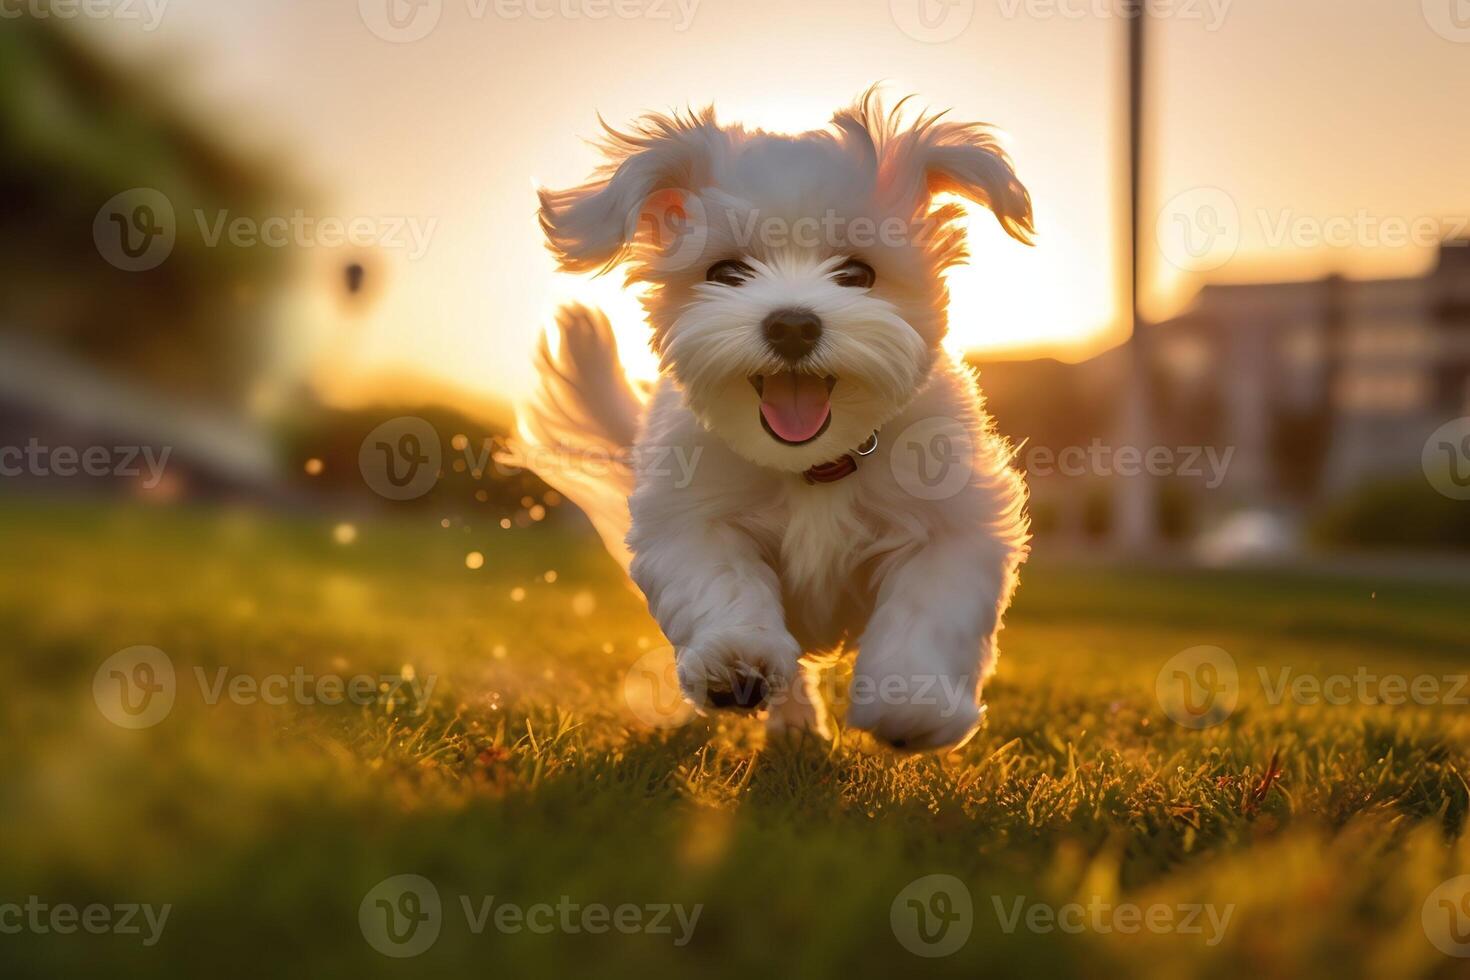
(748, 693)
(792, 334)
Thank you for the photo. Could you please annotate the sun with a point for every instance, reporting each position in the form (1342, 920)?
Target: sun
(1011, 299)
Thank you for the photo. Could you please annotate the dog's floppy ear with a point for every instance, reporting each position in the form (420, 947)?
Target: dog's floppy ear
(967, 160)
(639, 194)
(933, 156)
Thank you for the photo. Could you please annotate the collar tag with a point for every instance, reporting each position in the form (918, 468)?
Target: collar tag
(843, 466)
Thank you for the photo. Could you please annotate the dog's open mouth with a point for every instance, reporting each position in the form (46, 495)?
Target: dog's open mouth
(795, 407)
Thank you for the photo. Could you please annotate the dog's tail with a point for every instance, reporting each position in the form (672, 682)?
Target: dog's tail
(577, 431)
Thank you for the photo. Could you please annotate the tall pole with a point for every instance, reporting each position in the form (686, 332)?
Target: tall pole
(1135, 510)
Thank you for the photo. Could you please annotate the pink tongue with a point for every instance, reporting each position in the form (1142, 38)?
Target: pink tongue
(794, 405)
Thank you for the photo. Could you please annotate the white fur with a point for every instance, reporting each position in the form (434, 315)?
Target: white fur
(748, 568)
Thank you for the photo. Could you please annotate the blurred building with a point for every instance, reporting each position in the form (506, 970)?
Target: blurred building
(1314, 389)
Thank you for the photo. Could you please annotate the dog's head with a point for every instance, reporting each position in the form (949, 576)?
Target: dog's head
(795, 286)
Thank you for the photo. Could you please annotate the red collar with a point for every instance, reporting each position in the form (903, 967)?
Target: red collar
(843, 466)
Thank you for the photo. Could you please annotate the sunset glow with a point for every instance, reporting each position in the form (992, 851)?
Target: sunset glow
(429, 130)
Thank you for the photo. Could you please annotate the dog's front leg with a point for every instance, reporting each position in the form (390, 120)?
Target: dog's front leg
(930, 643)
(800, 708)
(719, 603)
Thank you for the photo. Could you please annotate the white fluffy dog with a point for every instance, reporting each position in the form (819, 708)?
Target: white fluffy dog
(812, 471)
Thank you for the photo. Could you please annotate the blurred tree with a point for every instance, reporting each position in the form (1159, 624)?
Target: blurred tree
(77, 129)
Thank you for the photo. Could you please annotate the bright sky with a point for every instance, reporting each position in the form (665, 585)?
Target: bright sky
(1305, 115)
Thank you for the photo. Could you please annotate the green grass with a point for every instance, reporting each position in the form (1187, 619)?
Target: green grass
(525, 775)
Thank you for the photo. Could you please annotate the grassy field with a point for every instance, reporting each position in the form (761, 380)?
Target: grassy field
(1289, 839)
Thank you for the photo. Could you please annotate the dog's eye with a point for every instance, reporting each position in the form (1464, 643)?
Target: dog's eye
(730, 272)
(858, 275)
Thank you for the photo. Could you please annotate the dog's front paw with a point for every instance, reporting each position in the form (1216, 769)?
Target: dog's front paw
(738, 668)
(915, 713)
(798, 710)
